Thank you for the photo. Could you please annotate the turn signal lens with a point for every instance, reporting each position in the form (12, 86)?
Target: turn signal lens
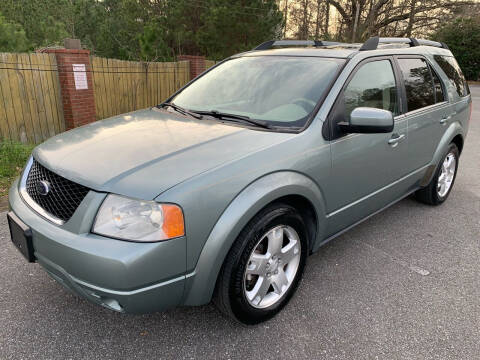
(173, 224)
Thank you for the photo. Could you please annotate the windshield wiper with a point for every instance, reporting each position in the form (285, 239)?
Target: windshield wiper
(181, 110)
(243, 118)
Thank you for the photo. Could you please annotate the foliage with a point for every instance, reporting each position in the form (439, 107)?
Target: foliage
(230, 27)
(12, 37)
(358, 20)
(463, 38)
(161, 29)
(148, 29)
(153, 46)
(13, 157)
(45, 22)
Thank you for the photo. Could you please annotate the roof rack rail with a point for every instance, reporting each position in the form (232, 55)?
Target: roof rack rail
(317, 43)
(372, 43)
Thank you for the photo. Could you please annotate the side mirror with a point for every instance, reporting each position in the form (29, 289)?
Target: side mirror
(368, 120)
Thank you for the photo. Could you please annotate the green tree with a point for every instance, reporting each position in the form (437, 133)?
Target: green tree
(148, 29)
(463, 38)
(153, 45)
(215, 28)
(12, 37)
(230, 26)
(117, 32)
(44, 22)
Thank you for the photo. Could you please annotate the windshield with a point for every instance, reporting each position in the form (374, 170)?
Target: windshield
(281, 91)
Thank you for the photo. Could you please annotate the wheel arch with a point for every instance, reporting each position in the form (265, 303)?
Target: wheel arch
(454, 134)
(458, 140)
(307, 211)
(290, 187)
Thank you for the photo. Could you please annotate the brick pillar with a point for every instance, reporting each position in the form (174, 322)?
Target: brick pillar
(77, 97)
(197, 64)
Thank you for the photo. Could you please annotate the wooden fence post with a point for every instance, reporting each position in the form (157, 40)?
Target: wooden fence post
(75, 75)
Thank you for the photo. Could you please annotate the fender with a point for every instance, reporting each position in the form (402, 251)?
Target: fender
(453, 130)
(201, 283)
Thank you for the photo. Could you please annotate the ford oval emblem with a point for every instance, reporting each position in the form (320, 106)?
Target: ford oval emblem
(43, 187)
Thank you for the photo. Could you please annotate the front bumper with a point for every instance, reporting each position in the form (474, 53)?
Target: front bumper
(120, 275)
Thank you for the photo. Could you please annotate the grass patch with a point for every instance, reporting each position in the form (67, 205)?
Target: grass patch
(13, 157)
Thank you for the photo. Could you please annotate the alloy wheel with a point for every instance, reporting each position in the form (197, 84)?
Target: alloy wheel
(447, 174)
(272, 266)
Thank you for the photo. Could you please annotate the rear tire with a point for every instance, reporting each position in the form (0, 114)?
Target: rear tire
(264, 266)
(442, 182)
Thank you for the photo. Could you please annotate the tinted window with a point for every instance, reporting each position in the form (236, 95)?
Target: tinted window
(438, 87)
(450, 67)
(373, 85)
(418, 83)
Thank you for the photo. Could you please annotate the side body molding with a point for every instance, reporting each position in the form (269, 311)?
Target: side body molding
(200, 285)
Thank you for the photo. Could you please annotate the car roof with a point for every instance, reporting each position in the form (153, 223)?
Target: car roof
(372, 47)
(347, 52)
(315, 52)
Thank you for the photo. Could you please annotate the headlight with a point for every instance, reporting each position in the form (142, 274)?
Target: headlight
(137, 220)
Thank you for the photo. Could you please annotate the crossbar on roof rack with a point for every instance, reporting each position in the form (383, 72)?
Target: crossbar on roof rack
(316, 43)
(372, 43)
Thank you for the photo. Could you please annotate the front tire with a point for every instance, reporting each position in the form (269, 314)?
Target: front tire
(442, 182)
(264, 266)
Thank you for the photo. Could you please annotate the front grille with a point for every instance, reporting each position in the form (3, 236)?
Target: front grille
(63, 197)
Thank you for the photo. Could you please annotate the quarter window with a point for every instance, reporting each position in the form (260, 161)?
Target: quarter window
(373, 85)
(450, 67)
(418, 83)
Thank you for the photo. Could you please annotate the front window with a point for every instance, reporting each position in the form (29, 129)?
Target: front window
(373, 85)
(282, 91)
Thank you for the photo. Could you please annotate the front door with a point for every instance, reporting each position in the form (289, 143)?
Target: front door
(366, 166)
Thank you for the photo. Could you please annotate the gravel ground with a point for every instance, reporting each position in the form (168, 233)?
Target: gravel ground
(403, 285)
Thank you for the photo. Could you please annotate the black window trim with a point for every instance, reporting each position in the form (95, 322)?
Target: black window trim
(327, 129)
(442, 85)
(404, 91)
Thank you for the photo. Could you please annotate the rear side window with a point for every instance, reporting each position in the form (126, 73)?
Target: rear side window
(373, 85)
(450, 67)
(418, 83)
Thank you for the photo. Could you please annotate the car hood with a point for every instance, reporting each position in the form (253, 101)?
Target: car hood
(142, 154)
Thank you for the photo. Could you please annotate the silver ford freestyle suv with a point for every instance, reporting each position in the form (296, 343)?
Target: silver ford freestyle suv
(224, 190)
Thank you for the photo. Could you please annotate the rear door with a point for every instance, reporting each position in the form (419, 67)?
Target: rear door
(458, 94)
(427, 111)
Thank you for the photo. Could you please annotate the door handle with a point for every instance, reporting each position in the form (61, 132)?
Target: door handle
(395, 139)
(445, 119)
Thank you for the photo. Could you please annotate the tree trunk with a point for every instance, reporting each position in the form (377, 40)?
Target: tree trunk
(304, 30)
(317, 24)
(355, 25)
(411, 19)
(327, 19)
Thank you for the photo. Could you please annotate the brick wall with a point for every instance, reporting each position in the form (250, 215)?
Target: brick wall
(197, 64)
(78, 105)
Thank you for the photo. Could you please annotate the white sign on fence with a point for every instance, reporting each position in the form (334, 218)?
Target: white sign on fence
(80, 76)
